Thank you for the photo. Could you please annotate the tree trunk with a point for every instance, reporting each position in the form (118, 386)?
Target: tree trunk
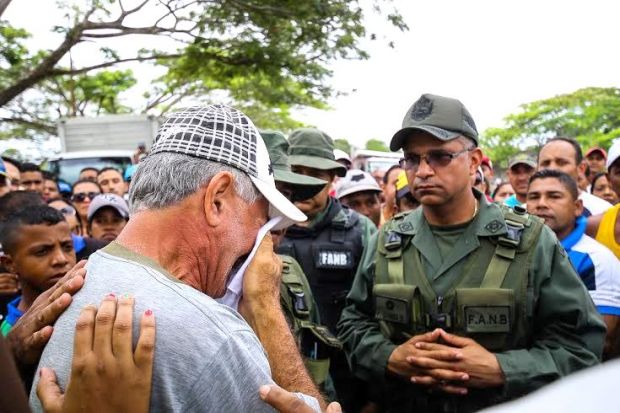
(3, 5)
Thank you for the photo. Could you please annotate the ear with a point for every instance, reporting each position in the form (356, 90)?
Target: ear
(582, 167)
(219, 196)
(476, 160)
(7, 262)
(578, 208)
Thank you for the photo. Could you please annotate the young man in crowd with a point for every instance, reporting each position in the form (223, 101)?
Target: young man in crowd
(605, 228)
(83, 194)
(111, 181)
(596, 158)
(38, 248)
(50, 187)
(88, 174)
(564, 154)
(31, 177)
(520, 168)
(359, 191)
(107, 216)
(553, 196)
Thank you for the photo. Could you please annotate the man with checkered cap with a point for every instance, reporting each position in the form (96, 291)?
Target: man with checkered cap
(461, 304)
(328, 246)
(197, 203)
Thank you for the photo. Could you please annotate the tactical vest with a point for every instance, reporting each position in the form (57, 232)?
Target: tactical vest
(328, 253)
(491, 302)
(315, 342)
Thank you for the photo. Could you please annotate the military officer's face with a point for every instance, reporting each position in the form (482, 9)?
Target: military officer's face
(315, 205)
(440, 172)
(549, 199)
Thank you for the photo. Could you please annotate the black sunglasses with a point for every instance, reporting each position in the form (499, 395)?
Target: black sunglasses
(81, 196)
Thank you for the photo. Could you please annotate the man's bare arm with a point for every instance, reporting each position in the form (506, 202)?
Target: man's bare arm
(260, 306)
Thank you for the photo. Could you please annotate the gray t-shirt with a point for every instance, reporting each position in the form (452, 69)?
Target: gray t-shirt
(207, 358)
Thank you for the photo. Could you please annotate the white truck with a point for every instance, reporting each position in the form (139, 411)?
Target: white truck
(100, 142)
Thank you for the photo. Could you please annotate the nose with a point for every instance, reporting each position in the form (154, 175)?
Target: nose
(424, 169)
(60, 258)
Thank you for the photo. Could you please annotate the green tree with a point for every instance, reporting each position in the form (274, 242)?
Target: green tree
(266, 55)
(343, 145)
(377, 145)
(590, 115)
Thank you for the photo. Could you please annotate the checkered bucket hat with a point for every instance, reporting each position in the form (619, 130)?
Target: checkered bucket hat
(225, 135)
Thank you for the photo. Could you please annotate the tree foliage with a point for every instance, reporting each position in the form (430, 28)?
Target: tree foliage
(343, 145)
(590, 115)
(268, 56)
(377, 145)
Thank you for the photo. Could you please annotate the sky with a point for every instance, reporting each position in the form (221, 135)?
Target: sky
(491, 55)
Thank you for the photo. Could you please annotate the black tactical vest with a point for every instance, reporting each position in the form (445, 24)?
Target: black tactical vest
(329, 253)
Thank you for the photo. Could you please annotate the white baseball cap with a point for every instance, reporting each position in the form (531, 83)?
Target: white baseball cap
(614, 153)
(225, 135)
(354, 181)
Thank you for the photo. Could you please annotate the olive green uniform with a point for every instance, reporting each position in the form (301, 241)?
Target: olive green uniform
(540, 321)
(315, 342)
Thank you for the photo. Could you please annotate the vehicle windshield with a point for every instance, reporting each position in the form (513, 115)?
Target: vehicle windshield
(68, 170)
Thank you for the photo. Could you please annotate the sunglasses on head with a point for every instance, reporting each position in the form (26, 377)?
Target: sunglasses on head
(81, 196)
(67, 211)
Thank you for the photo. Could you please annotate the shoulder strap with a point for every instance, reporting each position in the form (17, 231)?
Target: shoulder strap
(392, 243)
(507, 245)
(295, 288)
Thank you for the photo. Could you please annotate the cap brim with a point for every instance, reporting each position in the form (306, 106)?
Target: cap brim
(279, 205)
(304, 187)
(318, 163)
(398, 140)
(401, 193)
(122, 213)
(360, 188)
(599, 150)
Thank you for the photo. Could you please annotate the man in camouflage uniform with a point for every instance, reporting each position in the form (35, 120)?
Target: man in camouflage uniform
(328, 247)
(462, 304)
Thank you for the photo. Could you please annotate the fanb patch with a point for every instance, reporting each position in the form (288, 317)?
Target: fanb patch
(487, 319)
(422, 109)
(333, 258)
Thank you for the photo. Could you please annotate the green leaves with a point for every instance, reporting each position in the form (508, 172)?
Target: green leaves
(590, 115)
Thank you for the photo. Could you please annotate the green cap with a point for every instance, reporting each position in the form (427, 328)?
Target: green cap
(522, 158)
(304, 187)
(444, 118)
(313, 149)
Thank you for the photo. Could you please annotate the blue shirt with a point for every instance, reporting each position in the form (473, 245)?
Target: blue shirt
(597, 266)
(12, 316)
(512, 201)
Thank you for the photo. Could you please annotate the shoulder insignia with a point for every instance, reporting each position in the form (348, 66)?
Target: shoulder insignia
(405, 226)
(494, 226)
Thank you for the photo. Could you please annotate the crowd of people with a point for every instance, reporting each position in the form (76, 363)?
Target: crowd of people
(266, 272)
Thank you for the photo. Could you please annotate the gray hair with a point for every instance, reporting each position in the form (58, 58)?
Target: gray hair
(166, 178)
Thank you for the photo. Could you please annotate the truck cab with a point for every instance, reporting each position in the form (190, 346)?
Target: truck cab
(67, 166)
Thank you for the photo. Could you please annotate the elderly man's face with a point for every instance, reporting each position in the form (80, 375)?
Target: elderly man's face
(238, 234)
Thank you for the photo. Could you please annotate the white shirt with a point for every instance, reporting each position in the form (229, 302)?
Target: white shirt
(593, 203)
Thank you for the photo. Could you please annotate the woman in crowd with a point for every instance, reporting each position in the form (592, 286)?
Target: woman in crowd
(601, 187)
